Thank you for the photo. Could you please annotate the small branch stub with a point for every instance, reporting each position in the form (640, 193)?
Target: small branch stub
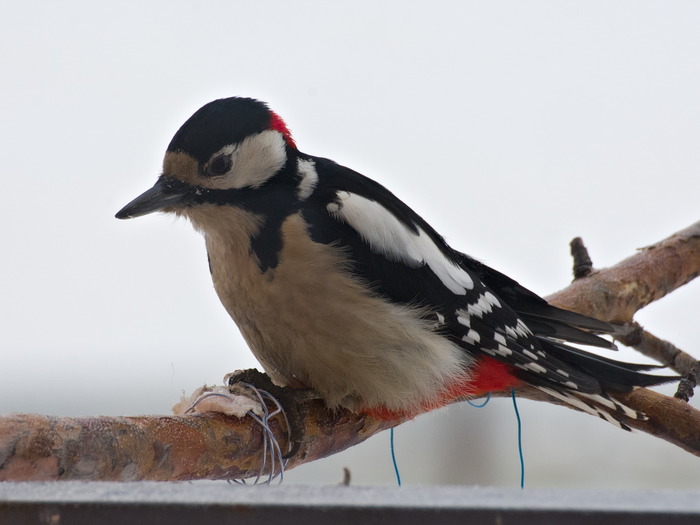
(686, 387)
(583, 265)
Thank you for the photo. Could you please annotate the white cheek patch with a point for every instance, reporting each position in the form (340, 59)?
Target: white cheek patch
(254, 161)
(388, 236)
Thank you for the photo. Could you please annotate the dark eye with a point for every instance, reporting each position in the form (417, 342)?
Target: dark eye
(219, 165)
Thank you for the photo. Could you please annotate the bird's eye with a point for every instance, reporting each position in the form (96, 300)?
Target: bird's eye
(219, 165)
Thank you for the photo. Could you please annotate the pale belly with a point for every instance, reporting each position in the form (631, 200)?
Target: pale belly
(309, 322)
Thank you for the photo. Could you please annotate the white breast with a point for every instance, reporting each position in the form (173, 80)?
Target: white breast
(309, 321)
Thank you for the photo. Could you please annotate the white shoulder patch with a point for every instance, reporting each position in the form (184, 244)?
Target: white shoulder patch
(309, 178)
(388, 236)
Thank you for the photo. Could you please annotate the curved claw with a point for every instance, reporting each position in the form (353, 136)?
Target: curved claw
(271, 449)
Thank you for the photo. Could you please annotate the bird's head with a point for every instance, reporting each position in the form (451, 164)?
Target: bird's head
(228, 147)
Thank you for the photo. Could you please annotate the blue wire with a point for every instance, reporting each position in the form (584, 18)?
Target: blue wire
(393, 456)
(488, 398)
(481, 405)
(520, 440)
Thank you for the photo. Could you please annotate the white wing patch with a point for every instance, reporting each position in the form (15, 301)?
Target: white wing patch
(388, 236)
(484, 305)
(309, 178)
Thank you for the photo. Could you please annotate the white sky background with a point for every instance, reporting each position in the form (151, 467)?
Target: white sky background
(511, 126)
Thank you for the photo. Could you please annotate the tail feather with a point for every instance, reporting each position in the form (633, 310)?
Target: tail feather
(541, 356)
(559, 330)
(611, 374)
(595, 409)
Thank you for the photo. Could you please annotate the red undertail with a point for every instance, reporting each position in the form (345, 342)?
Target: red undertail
(488, 375)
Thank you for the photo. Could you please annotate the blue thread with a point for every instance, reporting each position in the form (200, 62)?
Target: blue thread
(520, 440)
(482, 405)
(393, 456)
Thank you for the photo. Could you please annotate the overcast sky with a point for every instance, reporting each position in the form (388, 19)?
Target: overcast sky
(511, 126)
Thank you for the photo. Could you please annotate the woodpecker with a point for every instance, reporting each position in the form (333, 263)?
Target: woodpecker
(338, 286)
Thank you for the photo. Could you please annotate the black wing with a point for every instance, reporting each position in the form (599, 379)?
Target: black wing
(496, 316)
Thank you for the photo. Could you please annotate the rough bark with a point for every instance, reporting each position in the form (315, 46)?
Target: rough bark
(163, 448)
(614, 294)
(217, 446)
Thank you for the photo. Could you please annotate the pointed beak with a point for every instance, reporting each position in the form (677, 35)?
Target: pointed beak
(166, 192)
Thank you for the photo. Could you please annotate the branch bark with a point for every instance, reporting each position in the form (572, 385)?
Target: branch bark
(164, 448)
(615, 294)
(217, 446)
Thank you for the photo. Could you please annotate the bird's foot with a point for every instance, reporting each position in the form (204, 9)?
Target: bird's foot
(289, 402)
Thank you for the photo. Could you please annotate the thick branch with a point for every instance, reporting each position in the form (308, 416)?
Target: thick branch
(163, 448)
(614, 294)
(215, 446)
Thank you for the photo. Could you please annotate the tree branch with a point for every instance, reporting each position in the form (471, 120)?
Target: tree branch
(667, 354)
(615, 294)
(670, 419)
(164, 448)
(217, 446)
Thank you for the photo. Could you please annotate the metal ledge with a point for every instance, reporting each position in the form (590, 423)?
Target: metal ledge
(218, 503)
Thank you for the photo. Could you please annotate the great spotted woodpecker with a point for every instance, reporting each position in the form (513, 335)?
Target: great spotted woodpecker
(339, 286)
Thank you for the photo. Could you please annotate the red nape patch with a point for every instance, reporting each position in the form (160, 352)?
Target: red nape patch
(277, 124)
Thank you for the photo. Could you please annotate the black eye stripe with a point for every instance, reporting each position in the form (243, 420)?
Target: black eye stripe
(219, 165)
